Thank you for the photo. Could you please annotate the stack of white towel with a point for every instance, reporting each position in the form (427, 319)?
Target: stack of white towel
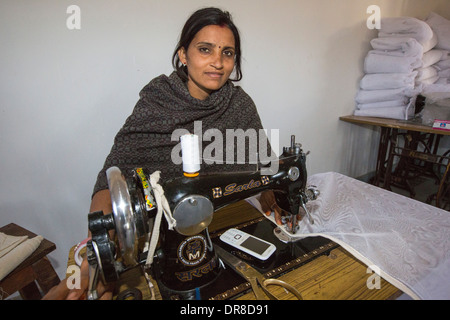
(441, 58)
(391, 68)
(442, 67)
(403, 61)
(437, 91)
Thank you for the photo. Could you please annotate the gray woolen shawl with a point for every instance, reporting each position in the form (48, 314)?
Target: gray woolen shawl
(166, 105)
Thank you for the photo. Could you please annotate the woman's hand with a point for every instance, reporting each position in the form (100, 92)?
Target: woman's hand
(62, 292)
(269, 205)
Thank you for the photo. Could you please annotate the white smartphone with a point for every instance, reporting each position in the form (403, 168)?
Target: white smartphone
(252, 245)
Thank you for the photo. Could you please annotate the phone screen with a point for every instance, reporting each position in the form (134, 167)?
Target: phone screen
(255, 245)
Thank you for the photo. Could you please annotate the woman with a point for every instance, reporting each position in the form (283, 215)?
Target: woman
(200, 89)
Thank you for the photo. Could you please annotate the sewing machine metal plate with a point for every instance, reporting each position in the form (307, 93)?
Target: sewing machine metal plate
(287, 257)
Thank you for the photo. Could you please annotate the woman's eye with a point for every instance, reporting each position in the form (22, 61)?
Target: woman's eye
(229, 53)
(204, 50)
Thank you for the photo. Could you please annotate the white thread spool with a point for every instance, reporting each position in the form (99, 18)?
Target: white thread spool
(190, 153)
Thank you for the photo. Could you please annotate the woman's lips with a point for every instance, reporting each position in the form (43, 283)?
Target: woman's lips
(214, 75)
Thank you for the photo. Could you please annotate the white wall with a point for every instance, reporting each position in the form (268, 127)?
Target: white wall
(65, 93)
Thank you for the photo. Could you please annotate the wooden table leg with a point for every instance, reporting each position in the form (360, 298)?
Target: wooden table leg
(390, 161)
(381, 158)
(30, 292)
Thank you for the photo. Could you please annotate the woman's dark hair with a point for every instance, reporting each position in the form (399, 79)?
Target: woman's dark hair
(197, 21)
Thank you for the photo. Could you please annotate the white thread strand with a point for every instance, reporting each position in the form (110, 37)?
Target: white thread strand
(162, 206)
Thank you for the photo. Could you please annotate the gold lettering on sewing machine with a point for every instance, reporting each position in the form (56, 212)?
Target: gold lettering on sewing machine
(234, 187)
(197, 272)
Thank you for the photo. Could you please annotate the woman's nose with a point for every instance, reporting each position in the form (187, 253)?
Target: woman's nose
(217, 60)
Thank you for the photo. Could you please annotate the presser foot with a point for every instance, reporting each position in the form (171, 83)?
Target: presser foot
(283, 236)
(289, 226)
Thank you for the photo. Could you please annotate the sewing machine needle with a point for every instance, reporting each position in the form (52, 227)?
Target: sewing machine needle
(311, 220)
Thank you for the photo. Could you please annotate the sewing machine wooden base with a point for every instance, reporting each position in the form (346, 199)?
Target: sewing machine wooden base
(332, 274)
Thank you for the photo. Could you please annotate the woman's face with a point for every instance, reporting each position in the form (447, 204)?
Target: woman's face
(209, 59)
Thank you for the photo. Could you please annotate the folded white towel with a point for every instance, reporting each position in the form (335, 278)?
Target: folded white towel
(430, 44)
(443, 81)
(384, 104)
(379, 81)
(377, 62)
(17, 255)
(441, 27)
(374, 96)
(441, 90)
(444, 103)
(431, 57)
(426, 73)
(406, 27)
(428, 81)
(442, 65)
(444, 73)
(399, 113)
(445, 55)
(401, 47)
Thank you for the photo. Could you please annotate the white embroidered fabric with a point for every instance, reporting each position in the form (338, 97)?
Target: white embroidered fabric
(408, 241)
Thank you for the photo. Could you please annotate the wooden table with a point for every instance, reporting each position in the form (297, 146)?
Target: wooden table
(34, 270)
(336, 276)
(409, 125)
(415, 147)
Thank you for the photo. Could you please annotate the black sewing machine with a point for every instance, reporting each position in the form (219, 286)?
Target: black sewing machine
(183, 258)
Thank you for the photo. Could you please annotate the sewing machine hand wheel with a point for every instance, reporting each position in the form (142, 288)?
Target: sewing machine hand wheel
(128, 221)
(124, 217)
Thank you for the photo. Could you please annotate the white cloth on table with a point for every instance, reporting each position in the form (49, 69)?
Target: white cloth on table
(406, 239)
(378, 62)
(380, 81)
(14, 250)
